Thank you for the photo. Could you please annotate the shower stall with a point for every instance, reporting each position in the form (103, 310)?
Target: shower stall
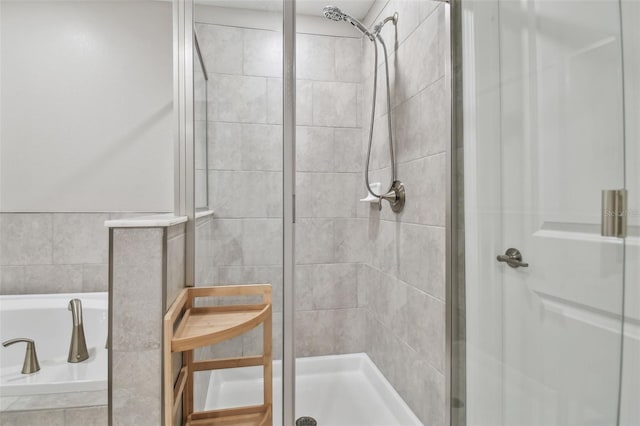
(329, 184)
(489, 290)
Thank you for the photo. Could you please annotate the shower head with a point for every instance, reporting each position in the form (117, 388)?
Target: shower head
(335, 14)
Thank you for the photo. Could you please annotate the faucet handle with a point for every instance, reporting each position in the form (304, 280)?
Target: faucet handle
(30, 364)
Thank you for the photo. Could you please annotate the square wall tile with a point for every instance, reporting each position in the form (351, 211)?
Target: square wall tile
(137, 388)
(427, 336)
(95, 277)
(221, 48)
(335, 104)
(274, 101)
(347, 152)
(226, 242)
(326, 286)
(262, 52)
(32, 418)
(225, 146)
(262, 242)
(246, 194)
(314, 149)
(26, 238)
(420, 59)
(304, 102)
(239, 99)
(314, 241)
(261, 147)
(422, 258)
(11, 279)
(326, 194)
(52, 279)
(425, 183)
(348, 58)
(315, 57)
(80, 238)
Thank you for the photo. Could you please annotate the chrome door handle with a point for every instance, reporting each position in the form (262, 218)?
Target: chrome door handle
(513, 258)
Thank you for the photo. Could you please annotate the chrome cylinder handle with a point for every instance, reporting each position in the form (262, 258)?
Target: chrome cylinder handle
(513, 258)
(30, 364)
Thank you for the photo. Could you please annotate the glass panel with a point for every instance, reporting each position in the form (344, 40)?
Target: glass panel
(242, 242)
(630, 391)
(200, 88)
(543, 136)
(370, 282)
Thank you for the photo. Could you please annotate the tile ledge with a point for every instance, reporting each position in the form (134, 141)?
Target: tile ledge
(152, 221)
(204, 213)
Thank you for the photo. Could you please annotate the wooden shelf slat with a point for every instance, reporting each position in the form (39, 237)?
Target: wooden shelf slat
(179, 388)
(223, 363)
(246, 416)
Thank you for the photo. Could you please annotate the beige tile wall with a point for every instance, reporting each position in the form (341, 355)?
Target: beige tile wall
(402, 281)
(145, 281)
(366, 280)
(54, 252)
(243, 242)
(86, 416)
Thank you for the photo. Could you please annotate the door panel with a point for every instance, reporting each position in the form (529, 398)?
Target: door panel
(560, 141)
(562, 144)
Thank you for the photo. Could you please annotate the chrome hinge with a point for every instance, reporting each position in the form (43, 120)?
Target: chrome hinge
(614, 213)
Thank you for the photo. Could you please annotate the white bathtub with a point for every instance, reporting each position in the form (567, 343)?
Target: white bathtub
(45, 319)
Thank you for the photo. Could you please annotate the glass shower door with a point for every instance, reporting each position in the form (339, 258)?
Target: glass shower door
(544, 288)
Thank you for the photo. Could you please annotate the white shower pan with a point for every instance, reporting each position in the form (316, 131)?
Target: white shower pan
(336, 390)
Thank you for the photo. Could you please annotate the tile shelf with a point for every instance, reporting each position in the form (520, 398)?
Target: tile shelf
(187, 327)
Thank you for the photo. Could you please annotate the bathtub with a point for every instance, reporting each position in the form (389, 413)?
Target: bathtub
(45, 319)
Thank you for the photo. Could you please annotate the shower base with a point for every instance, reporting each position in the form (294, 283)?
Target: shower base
(336, 390)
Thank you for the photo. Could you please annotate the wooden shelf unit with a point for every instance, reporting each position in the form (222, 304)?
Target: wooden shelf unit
(187, 327)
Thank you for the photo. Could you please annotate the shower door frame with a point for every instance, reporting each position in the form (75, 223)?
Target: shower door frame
(289, 214)
(455, 328)
(184, 169)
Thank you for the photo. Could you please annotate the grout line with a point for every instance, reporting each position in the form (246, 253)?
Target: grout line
(402, 342)
(436, 298)
(305, 172)
(280, 124)
(277, 77)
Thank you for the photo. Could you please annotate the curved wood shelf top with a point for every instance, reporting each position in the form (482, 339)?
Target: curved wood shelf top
(211, 325)
(187, 327)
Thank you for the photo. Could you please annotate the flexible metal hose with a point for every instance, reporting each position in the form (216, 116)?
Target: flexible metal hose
(373, 115)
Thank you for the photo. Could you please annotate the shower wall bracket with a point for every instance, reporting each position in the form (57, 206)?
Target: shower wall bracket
(396, 196)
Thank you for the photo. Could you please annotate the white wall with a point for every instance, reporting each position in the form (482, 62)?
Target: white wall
(86, 106)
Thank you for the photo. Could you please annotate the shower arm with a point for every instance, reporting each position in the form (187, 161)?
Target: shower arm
(378, 27)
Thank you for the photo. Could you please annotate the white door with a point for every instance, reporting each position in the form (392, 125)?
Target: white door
(555, 325)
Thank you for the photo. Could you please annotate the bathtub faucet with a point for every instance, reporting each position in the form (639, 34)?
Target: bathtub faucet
(30, 364)
(78, 347)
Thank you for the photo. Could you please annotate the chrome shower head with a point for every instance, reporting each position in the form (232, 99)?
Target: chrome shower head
(335, 14)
